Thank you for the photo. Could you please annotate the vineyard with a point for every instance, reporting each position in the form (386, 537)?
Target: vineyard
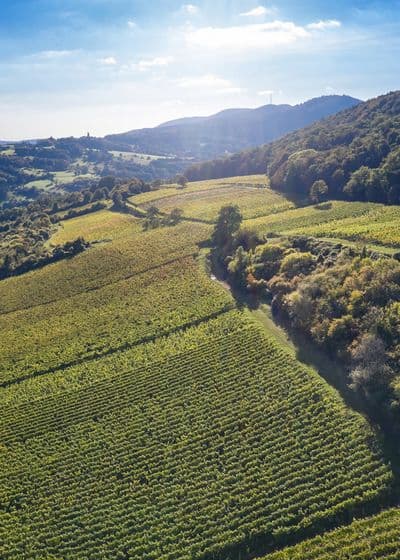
(202, 200)
(368, 539)
(105, 263)
(250, 450)
(104, 320)
(144, 416)
(257, 181)
(353, 221)
(102, 225)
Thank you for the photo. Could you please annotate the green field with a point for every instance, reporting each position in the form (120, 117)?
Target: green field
(68, 177)
(132, 252)
(367, 539)
(190, 455)
(139, 159)
(40, 184)
(363, 222)
(202, 200)
(98, 226)
(145, 417)
(115, 316)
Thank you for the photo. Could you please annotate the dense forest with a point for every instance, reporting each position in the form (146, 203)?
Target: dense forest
(354, 155)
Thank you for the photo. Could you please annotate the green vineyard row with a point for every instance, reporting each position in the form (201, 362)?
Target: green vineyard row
(211, 450)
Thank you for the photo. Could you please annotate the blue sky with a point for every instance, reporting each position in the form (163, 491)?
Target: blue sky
(72, 66)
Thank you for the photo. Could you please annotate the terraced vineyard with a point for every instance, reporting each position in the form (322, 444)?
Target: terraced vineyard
(367, 539)
(144, 416)
(354, 221)
(131, 252)
(202, 200)
(145, 465)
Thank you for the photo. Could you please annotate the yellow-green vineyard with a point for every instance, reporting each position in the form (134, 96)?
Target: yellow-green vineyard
(145, 417)
(367, 539)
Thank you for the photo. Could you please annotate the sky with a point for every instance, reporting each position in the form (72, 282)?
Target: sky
(68, 67)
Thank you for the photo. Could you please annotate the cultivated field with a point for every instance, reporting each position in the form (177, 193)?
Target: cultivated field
(202, 200)
(212, 450)
(354, 221)
(367, 539)
(145, 417)
(132, 252)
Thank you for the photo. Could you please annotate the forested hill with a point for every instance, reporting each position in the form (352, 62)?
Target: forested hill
(356, 153)
(231, 130)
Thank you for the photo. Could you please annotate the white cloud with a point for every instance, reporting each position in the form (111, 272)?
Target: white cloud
(108, 61)
(257, 12)
(158, 61)
(48, 55)
(209, 82)
(190, 9)
(230, 90)
(265, 92)
(131, 24)
(247, 37)
(324, 24)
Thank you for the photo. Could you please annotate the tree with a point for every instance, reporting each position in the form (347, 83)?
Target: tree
(181, 180)
(248, 238)
(107, 182)
(267, 260)
(371, 373)
(87, 197)
(99, 194)
(175, 216)
(152, 219)
(118, 201)
(319, 192)
(297, 263)
(238, 266)
(228, 223)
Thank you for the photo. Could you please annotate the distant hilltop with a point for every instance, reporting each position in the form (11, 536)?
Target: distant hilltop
(231, 130)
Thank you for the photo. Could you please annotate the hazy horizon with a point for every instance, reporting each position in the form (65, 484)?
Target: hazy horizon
(179, 117)
(107, 67)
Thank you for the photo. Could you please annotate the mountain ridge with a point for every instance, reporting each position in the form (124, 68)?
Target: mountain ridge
(355, 152)
(231, 130)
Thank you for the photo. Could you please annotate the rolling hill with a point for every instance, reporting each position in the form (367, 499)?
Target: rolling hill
(356, 153)
(147, 414)
(231, 130)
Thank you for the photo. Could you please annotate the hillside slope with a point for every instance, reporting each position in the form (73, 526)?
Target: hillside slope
(355, 152)
(143, 416)
(233, 129)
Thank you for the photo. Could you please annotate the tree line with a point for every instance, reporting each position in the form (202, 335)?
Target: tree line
(355, 154)
(346, 301)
